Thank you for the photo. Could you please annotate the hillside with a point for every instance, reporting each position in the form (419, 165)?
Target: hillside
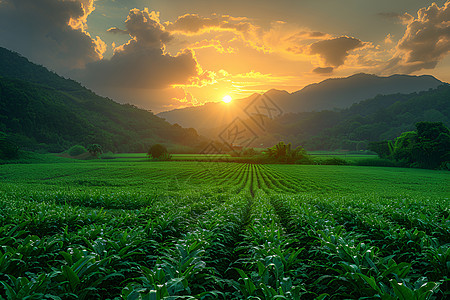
(379, 118)
(327, 95)
(41, 110)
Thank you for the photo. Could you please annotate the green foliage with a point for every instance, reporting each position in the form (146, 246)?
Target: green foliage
(76, 150)
(381, 118)
(377, 162)
(332, 161)
(382, 148)
(41, 110)
(432, 146)
(159, 152)
(427, 147)
(95, 150)
(285, 154)
(8, 149)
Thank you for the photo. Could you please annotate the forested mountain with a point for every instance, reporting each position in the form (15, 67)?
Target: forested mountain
(41, 110)
(329, 94)
(379, 118)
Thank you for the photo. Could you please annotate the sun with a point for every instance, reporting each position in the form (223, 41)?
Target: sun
(227, 99)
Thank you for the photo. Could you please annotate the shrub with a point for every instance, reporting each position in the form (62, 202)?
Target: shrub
(159, 152)
(95, 150)
(284, 153)
(76, 150)
(307, 160)
(377, 162)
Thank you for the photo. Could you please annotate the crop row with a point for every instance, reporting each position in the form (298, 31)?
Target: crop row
(224, 230)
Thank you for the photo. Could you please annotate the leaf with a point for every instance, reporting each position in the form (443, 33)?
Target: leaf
(371, 281)
(241, 273)
(10, 293)
(402, 291)
(67, 257)
(427, 289)
(71, 276)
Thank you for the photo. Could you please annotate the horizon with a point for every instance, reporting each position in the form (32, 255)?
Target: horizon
(162, 56)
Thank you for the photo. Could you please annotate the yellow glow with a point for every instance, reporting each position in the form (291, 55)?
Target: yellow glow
(227, 99)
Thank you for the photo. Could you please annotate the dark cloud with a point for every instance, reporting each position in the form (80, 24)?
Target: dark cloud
(335, 51)
(426, 40)
(327, 70)
(117, 30)
(141, 68)
(403, 18)
(50, 32)
(317, 34)
(142, 62)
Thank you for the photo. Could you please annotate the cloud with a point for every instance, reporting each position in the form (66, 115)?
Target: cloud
(216, 44)
(243, 28)
(142, 62)
(335, 51)
(117, 30)
(185, 100)
(323, 71)
(50, 32)
(195, 24)
(402, 18)
(426, 41)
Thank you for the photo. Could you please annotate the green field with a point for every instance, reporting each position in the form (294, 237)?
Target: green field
(134, 229)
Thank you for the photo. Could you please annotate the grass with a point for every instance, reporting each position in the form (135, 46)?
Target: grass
(131, 228)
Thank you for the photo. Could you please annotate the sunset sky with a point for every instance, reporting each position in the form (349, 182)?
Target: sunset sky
(167, 54)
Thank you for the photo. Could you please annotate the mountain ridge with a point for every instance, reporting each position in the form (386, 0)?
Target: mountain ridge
(329, 94)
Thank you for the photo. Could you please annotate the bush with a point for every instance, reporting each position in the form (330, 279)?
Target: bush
(95, 150)
(445, 166)
(378, 162)
(159, 152)
(76, 150)
(307, 160)
(283, 153)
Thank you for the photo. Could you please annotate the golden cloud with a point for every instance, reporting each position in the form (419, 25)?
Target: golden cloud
(426, 41)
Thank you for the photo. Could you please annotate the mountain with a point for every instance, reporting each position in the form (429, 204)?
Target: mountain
(343, 92)
(383, 117)
(41, 110)
(329, 94)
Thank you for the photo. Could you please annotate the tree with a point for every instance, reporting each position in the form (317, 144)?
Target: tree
(432, 146)
(427, 147)
(8, 149)
(158, 151)
(95, 150)
(381, 148)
